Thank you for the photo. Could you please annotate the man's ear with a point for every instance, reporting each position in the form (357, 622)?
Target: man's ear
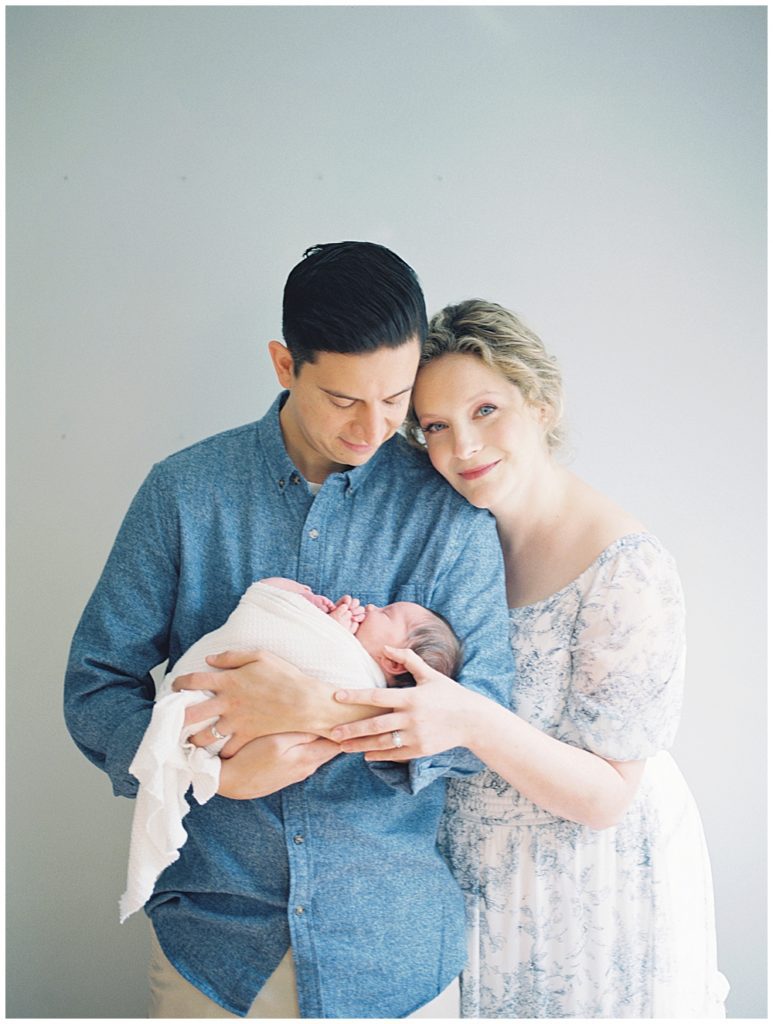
(283, 363)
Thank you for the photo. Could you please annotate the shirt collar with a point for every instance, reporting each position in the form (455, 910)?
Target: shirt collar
(281, 466)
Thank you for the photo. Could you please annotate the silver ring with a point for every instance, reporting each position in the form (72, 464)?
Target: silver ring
(215, 733)
(397, 738)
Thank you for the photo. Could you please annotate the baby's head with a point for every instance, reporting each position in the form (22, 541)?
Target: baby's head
(405, 624)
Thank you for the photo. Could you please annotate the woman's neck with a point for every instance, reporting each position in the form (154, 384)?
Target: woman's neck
(537, 534)
(536, 512)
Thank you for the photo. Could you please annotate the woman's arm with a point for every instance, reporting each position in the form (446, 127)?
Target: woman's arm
(257, 693)
(439, 714)
(565, 780)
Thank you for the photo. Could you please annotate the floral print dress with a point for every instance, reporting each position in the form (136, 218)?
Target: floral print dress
(565, 920)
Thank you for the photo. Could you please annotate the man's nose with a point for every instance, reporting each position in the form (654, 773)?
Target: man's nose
(370, 425)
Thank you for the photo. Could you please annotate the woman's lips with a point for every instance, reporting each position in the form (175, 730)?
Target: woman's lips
(478, 471)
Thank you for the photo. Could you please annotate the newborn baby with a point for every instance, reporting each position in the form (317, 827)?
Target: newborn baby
(403, 624)
(340, 642)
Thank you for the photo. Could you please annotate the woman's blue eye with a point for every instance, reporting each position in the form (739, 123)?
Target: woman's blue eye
(432, 428)
(486, 410)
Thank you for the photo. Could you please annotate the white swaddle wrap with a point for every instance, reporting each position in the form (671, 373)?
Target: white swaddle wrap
(166, 765)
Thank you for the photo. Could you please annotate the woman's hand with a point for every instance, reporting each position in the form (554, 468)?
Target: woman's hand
(256, 693)
(270, 763)
(434, 715)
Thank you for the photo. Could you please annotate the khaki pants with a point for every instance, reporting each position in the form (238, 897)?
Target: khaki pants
(171, 996)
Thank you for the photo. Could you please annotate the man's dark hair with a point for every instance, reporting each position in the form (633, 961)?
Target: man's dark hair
(351, 297)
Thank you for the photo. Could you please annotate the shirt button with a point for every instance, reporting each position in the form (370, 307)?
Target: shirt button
(314, 534)
(299, 911)
(297, 840)
(295, 479)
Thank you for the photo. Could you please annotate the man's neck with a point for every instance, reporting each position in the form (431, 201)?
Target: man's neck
(315, 470)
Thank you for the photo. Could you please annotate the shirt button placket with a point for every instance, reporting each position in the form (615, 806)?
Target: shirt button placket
(299, 915)
(314, 539)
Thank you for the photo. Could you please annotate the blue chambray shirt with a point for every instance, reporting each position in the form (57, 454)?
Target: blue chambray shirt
(343, 866)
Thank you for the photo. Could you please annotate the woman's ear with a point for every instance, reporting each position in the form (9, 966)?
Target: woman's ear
(283, 363)
(545, 415)
(541, 412)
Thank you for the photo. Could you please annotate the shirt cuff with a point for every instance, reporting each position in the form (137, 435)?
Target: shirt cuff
(413, 776)
(121, 749)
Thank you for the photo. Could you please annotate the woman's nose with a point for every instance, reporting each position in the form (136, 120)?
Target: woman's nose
(466, 444)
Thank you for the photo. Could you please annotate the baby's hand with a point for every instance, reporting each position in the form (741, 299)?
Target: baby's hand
(348, 612)
(320, 601)
(356, 610)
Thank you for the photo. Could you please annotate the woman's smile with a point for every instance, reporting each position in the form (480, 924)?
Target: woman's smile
(478, 471)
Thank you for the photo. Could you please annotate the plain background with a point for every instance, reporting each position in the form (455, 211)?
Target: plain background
(601, 170)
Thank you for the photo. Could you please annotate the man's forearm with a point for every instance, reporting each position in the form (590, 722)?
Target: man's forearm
(270, 763)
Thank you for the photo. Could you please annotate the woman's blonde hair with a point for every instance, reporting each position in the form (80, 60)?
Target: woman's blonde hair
(505, 344)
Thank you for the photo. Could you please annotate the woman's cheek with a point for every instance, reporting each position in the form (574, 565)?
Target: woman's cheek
(439, 461)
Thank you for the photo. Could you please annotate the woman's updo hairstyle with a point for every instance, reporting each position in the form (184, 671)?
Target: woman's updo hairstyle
(505, 344)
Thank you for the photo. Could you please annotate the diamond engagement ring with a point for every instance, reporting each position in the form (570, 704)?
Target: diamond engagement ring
(215, 733)
(397, 738)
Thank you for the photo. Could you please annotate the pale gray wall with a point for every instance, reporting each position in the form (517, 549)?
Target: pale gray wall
(601, 170)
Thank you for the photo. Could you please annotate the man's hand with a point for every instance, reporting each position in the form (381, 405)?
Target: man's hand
(256, 693)
(270, 763)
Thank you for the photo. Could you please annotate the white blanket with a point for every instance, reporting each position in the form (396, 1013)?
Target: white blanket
(166, 765)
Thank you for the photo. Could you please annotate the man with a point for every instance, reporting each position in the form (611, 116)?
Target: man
(313, 875)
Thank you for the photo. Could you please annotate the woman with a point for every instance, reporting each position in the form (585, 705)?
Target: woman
(579, 849)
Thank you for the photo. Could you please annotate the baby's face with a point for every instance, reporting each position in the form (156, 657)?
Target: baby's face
(389, 625)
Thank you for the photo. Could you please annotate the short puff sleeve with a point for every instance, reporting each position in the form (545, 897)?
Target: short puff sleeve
(628, 653)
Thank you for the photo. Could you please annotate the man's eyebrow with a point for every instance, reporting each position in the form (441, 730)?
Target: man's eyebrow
(352, 398)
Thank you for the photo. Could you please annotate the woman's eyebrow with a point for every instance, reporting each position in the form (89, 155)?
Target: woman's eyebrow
(488, 393)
